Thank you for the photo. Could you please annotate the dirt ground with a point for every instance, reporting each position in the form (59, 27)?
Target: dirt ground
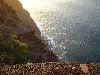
(51, 68)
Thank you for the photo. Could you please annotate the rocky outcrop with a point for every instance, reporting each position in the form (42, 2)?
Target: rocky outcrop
(23, 15)
(10, 22)
(14, 19)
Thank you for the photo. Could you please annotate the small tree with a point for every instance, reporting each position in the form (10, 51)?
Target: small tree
(14, 49)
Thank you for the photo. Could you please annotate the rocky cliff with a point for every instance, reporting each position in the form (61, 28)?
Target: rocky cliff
(23, 15)
(14, 19)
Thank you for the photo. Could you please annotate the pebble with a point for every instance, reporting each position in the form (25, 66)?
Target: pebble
(52, 68)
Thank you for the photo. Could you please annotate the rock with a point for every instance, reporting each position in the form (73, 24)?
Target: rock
(16, 20)
(23, 15)
(51, 68)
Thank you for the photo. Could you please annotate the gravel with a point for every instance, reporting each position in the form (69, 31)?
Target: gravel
(50, 68)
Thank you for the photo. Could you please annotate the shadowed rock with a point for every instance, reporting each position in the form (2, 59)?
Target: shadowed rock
(15, 20)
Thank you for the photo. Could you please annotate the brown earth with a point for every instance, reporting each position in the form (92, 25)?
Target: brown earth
(51, 68)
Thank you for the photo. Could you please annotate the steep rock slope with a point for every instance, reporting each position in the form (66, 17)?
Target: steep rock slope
(17, 21)
(23, 15)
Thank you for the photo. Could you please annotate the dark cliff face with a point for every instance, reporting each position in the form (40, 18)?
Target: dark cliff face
(9, 21)
(14, 19)
(23, 15)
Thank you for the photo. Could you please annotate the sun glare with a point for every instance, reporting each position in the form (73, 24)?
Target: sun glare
(28, 4)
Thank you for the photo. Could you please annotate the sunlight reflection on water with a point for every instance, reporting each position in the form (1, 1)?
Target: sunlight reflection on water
(72, 26)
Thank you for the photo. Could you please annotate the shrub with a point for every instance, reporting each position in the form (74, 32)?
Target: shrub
(13, 49)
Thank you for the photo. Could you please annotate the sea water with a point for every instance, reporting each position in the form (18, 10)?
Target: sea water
(73, 27)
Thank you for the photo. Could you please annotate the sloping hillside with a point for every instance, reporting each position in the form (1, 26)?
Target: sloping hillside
(23, 15)
(14, 19)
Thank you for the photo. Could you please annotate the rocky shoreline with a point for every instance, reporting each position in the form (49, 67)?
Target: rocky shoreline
(51, 68)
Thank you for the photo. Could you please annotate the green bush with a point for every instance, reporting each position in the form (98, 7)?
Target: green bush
(11, 48)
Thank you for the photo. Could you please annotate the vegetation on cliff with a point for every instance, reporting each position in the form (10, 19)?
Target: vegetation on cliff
(12, 50)
(11, 23)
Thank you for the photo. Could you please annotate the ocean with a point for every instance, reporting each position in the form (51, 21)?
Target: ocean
(72, 28)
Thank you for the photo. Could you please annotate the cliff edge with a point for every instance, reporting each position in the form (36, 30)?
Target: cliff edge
(23, 15)
(15, 20)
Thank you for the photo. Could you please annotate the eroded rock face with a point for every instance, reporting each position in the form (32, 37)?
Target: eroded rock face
(14, 19)
(10, 22)
(23, 15)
